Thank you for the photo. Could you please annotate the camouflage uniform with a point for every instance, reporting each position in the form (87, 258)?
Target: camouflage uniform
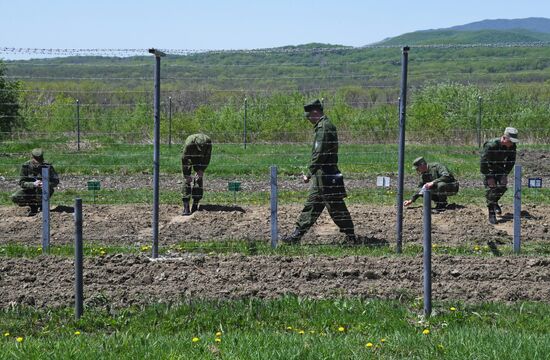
(444, 184)
(496, 162)
(29, 195)
(324, 161)
(196, 154)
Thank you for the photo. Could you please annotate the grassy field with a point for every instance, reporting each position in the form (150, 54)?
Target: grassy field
(287, 328)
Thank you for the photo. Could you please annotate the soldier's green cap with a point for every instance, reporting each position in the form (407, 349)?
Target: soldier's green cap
(37, 153)
(419, 161)
(314, 105)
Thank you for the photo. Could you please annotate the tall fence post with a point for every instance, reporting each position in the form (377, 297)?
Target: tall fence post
(479, 122)
(77, 125)
(156, 152)
(45, 209)
(427, 257)
(245, 114)
(402, 117)
(169, 122)
(274, 200)
(517, 209)
(78, 260)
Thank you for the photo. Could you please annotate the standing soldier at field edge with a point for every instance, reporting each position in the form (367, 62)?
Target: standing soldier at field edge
(327, 185)
(498, 157)
(197, 150)
(30, 181)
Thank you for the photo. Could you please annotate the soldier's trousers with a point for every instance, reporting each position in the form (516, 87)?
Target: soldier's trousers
(316, 203)
(441, 190)
(29, 197)
(192, 190)
(493, 195)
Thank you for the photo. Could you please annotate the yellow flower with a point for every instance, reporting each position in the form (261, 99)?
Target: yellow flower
(196, 339)
(219, 333)
(341, 329)
(102, 252)
(218, 340)
(19, 339)
(369, 345)
(383, 340)
(477, 248)
(301, 332)
(312, 331)
(289, 327)
(426, 331)
(453, 309)
(6, 334)
(77, 332)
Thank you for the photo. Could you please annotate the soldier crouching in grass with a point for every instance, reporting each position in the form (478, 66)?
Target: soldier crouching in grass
(30, 181)
(327, 185)
(196, 154)
(438, 179)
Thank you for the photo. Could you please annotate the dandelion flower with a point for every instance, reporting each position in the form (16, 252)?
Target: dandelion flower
(196, 339)
(218, 340)
(477, 248)
(219, 333)
(19, 339)
(453, 308)
(301, 332)
(6, 334)
(426, 332)
(289, 327)
(383, 340)
(369, 345)
(341, 329)
(77, 332)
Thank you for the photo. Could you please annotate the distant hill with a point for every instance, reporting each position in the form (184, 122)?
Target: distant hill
(529, 30)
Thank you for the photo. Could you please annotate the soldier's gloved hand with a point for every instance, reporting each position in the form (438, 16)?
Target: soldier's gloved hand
(491, 182)
(37, 183)
(504, 180)
(407, 202)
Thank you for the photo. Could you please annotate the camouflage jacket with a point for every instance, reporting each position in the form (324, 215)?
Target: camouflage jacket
(197, 151)
(31, 171)
(497, 159)
(436, 173)
(324, 152)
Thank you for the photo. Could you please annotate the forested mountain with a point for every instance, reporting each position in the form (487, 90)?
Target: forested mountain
(535, 24)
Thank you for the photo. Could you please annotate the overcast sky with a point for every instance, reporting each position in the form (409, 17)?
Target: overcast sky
(236, 24)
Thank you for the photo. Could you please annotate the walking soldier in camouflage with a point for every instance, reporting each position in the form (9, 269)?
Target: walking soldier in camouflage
(437, 178)
(327, 186)
(30, 181)
(498, 157)
(196, 154)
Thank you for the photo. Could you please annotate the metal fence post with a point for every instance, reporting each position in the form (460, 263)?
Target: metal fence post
(78, 260)
(517, 209)
(274, 198)
(156, 152)
(402, 117)
(427, 258)
(45, 209)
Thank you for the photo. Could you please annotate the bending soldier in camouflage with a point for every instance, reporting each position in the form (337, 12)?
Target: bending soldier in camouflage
(196, 154)
(30, 181)
(323, 169)
(436, 178)
(498, 157)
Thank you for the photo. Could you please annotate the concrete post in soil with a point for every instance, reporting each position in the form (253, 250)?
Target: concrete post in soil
(78, 260)
(517, 209)
(427, 256)
(274, 199)
(156, 152)
(45, 209)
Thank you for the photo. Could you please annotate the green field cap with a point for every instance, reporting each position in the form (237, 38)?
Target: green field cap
(512, 134)
(418, 161)
(314, 105)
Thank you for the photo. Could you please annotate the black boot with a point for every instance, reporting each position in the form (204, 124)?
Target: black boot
(195, 206)
(33, 210)
(294, 238)
(351, 239)
(492, 216)
(186, 211)
(441, 206)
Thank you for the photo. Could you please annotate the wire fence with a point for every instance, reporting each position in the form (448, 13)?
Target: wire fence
(95, 123)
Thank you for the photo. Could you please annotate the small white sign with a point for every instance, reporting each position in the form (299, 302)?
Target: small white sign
(535, 182)
(383, 181)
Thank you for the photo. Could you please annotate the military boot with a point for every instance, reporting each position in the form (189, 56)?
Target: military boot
(294, 238)
(351, 239)
(186, 211)
(492, 216)
(195, 206)
(33, 210)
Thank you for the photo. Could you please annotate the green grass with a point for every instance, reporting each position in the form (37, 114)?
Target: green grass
(286, 328)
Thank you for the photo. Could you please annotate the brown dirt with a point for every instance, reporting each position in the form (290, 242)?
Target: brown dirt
(122, 280)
